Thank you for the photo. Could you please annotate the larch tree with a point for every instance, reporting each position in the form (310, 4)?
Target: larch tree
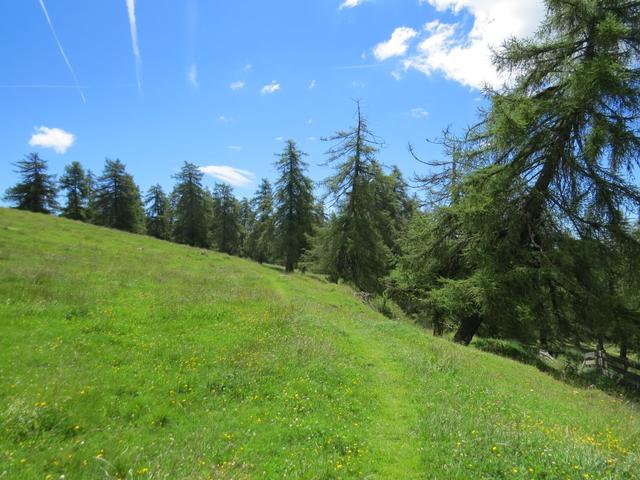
(293, 215)
(261, 238)
(36, 191)
(225, 225)
(548, 178)
(158, 213)
(190, 207)
(351, 246)
(247, 219)
(117, 199)
(77, 185)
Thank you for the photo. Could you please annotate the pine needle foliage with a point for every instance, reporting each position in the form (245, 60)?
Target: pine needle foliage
(36, 191)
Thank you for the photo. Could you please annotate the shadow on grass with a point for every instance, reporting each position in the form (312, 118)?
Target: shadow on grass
(566, 367)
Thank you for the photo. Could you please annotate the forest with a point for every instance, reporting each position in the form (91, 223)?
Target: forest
(526, 229)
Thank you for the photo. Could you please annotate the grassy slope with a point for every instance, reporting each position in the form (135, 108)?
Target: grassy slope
(126, 357)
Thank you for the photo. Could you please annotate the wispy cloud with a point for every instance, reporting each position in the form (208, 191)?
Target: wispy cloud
(236, 148)
(419, 112)
(270, 88)
(54, 138)
(64, 55)
(350, 4)
(279, 139)
(247, 67)
(192, 75)
(239, 85)
(231, 175)
(312, 84)
(133, 26)
(397, 45)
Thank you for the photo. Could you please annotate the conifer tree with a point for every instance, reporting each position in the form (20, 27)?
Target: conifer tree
(247, 220)
(225, 226)
(78, 187)
(551, 184)
(190, 207)
(394, 206)
(91, 197)
(352, 246)
(36, 191)
(568, 126)
(261, 239)
(402, 207)
(158, 213)
(117, 199)
(293, 207)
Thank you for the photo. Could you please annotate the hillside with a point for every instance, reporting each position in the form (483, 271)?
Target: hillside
(126, 357)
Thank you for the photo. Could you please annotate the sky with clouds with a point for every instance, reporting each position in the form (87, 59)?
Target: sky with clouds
(224, 84)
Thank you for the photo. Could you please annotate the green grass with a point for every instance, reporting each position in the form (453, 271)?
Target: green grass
(126, 357)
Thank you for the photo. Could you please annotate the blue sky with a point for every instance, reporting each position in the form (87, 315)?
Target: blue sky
(221, 84)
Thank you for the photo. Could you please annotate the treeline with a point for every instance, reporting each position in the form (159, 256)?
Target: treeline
(527, 231)
(283, 223)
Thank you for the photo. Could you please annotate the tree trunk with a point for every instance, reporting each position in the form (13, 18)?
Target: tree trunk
(468, 328)
(288, 268)
(544, 338)
(438, 324)
(623, 354)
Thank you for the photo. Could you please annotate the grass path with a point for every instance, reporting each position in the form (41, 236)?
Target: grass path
(394, 428)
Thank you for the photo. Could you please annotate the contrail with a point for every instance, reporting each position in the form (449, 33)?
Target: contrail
(131, 10)
(43, 86)
(192, 27)
(83, 87)
(64, 55)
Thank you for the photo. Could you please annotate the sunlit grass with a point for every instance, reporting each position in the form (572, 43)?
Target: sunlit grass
(127, 357)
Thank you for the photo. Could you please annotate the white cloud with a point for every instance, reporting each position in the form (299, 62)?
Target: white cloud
(465, 56)
(419, 112)
(272, 87)
(237, 148)
(310, 121)
(231, 175)
(279, 139)
(239, 85)
(133, 26)
(312, 84)
(311, 139)
(397, 45)
(54, 138)
(247, 67)
(192, 75)
(350, 4)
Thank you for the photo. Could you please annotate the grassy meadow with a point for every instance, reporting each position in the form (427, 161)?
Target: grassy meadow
(126, 357)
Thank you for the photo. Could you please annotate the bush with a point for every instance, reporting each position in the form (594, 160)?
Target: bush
(386, 306)
(507, 348)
